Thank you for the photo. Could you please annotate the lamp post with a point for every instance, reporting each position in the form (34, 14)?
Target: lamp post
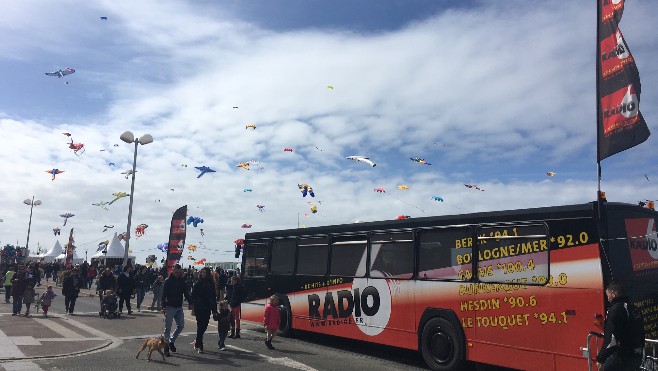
(32, 203)
(128, 137)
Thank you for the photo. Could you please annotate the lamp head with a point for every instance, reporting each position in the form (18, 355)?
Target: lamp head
(27, 201)
(145, 139)
(37, 202)
(127, 137)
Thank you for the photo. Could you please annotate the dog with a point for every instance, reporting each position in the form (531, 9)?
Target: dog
(154, 344)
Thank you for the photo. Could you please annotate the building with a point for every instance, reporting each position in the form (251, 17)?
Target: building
(223, 265)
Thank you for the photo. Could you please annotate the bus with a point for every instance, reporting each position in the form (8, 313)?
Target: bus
(520, 289)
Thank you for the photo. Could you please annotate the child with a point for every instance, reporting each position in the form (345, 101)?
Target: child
(156, 304)
(28, 298)
(47, 300)
(271, 320)
(223, 324)
(109, 303)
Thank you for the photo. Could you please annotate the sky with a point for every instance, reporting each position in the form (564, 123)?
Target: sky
(492, 93)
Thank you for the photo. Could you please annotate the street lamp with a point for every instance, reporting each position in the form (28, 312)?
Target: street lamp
(128, 137)
(32, 203)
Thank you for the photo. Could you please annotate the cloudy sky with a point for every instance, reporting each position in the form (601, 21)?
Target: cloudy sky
(493, 93)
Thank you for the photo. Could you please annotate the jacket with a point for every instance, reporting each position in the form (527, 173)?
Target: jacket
(272, 317)
(125, 286)
(18, 284)
(71, 286)
(203, 296)
(237, 296)
(224, 322)
(8, 277)
(47, 298)
(28, 295)
(173, 291)
(623, 329)
(107, 283)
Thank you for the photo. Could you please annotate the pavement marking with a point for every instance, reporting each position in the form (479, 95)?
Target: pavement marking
(61, 330)
(24, 340)
(21, 366)
(9, 349)
(283, 361)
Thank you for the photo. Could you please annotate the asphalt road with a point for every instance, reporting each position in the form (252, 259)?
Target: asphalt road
(84, 342)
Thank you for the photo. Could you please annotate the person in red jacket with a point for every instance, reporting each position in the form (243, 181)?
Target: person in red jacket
(271, 320)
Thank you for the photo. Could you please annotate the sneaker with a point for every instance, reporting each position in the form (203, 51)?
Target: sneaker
(139, 310)
(200, 350)
(194, 345)
(13, 314)
(172, 347)
(222, 348)
(166, 352)
(131, 312)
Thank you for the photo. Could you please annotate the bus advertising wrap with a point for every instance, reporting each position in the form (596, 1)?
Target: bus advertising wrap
(177, 234)
(619, 121)
(643, 243)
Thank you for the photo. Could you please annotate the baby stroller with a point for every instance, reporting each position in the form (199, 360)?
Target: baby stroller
(109, 306)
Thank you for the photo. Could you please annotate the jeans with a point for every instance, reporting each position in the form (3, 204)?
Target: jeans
(157, 300)
(127, 301)
(140, 293)
(202, 320)
(69, 303)
(175, 314)
(235, 317)
(618, 363)
(222, 338)
(17, 304)
(7, 293)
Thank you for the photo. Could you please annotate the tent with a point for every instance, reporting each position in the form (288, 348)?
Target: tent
(114, 254)
(76, 258)
(51, 254)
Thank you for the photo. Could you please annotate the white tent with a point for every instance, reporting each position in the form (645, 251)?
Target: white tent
(115, 252)
(76, 258)
(51, 254)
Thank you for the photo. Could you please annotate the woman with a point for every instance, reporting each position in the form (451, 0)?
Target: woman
(125, 288)
(235, 302)
(204, 301)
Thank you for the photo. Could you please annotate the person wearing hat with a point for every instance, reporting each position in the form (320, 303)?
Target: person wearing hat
(173, 291)
(70, 289)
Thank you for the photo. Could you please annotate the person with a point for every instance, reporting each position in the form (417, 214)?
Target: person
(18, 286)
(7, 283)
(47, 299)
(28, 298)
(223, 324)
(237, 295)
(109, 304)
(156, 304)
(271, 320)
(173, 291)
(125, 288)
(203, 302)
(222, 279)
(141, 285)
(70, 289)
(623, 335)
(91, 274)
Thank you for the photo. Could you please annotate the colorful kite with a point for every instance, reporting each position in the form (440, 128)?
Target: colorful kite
(247, 190)
(261, 208)
(437, 198)
(57, 231)
(192, 247)
(419, 160)
(140, 230)
(244, 165)
(122, 236)
(54, 172)
(314, 209)
(67, 134)
(402, 217)
(475, 186)
(78, 148)
(380, 190)
(66, 216)
(102, 204)
(61, 73)
(163, 246)
(202, 233)
(551, 173)
(106, 227)
(330, 87)
(200, 262)
(287, 150)
(103, 18)
(246, 226)
(363, 159)
(250, 126)
(306, 189)
(117, 196)
(127, 173)
(403, 187)
(203, 170)
(194, 220)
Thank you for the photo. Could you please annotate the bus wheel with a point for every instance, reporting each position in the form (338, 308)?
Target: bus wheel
(441, 345)
(285, 327)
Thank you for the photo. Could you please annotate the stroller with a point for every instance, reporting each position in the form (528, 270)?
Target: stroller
(109, 306)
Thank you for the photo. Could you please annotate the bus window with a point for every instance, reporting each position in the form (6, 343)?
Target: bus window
(348, 256)
(392, 255)
(446, 254)
(513, 254)
(255, 259)
(283, 256)
(313, 255)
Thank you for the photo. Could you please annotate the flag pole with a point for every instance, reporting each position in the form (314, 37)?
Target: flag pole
(599, 12)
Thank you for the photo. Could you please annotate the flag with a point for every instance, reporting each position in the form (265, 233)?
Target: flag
(177, 234)
(69, 250)
(620, 124)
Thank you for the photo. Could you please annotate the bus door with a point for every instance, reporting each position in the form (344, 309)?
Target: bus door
(280, 280)
(310, 292)
(388, 299)
(255, 269)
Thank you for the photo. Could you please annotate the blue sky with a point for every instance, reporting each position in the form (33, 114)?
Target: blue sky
(490, 93)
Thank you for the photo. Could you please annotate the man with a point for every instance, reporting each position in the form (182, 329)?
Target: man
(623, 333)
(7, 283)
(173, 291)
(125, 288)
(70, 289)
(18, 286)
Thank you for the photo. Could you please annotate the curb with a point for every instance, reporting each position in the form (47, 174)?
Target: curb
(64, 355)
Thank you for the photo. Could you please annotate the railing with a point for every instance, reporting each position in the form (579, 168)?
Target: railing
(650, 355)
(587, 351)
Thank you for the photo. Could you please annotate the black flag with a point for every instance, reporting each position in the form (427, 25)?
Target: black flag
(177, 234)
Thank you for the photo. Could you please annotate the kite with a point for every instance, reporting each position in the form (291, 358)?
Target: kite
(122, 236)
(380, 190)
(190, 257)
(111, 164)
(403, 187)
(250, 126)
(330, 87)
(200, 262)
(419, 160)
(235, 107)
(201, 229)
(54, 172)
(244, 165)
(103, 246)
(103, 18)
(194, 220)
(403, 217)
(117, 196)
(474, 186)
(77, 147)
(106, 227)
(314, 209)
(163, 246)
(287, 150)
(247, 190)
(203, 170)
(362, 159)
(261, 208)
(140, 230)
(57, 231)
(239, 242)
(61, 73)
(101, 204)
(246, 226)
(192, 247)
(645, 175)
(66, 216)
(127, 173)
(437, 198)
(116, 145)
(67, 134)
(551, 173)
(183, 165)
(306, 189)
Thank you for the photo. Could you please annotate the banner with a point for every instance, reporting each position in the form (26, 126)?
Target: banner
(177, 234)
(69, 251)
(620, 124)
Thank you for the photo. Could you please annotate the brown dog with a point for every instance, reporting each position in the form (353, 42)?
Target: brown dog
(154, 344)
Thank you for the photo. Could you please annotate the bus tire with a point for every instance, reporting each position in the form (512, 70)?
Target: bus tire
(285, 328)
(441, 345)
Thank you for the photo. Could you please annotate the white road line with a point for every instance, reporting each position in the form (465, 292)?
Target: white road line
(61, 330)
(283, 361)
(10, 350)
(21, 366)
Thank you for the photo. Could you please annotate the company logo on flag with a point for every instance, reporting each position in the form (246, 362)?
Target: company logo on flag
(643, 243)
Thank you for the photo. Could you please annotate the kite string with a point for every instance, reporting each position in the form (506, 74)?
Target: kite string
(404, 202)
